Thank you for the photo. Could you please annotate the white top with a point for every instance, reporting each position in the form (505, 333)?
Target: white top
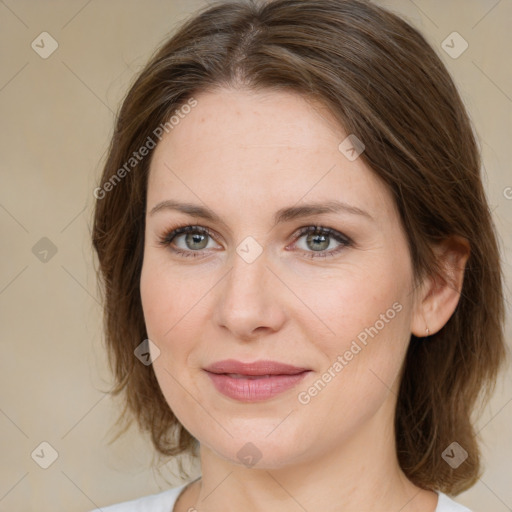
(164, 502)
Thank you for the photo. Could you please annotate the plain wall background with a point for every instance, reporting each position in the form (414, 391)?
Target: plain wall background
(57, 115)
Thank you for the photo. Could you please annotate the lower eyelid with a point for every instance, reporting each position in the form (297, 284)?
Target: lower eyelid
(326, 252)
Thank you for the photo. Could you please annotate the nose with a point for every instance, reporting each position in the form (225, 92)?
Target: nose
(249, 301)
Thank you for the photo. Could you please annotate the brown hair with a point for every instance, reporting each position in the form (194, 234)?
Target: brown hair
(384, 83)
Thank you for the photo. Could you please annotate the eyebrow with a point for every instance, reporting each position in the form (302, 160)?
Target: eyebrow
(283, 215)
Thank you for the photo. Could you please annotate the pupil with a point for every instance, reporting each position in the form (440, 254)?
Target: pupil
(196, 238)
(323, 241)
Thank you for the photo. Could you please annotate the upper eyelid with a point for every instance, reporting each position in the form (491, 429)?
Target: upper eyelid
(191, 228)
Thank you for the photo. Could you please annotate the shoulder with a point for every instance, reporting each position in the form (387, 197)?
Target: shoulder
(161, 502)
(445, 504)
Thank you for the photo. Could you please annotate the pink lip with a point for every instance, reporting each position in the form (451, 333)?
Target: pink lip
(252, 382)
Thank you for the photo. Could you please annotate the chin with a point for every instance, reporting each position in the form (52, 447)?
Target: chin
(254, 447)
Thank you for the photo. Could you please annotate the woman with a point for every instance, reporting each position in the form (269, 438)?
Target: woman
(302, 279)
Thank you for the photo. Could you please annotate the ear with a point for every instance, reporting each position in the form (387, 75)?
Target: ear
(438, 296)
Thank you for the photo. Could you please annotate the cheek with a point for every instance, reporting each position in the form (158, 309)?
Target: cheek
(360, 297)
(366, 330)
(359, 380)
(166, 299)
(174, 305)
(156, 303)
(170, 298)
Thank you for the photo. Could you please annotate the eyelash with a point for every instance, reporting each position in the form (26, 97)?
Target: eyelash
(167, 239)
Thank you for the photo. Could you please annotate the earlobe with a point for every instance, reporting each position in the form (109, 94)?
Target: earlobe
(439, 294)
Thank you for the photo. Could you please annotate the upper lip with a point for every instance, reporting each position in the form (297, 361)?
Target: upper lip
(254, 368)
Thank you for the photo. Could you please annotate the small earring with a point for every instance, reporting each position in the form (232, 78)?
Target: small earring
(428, 332)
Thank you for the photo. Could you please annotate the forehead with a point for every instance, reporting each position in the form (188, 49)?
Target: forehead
(279, 122)
(251, 148)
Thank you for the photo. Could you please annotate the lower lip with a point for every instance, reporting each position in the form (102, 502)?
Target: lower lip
(254, 390)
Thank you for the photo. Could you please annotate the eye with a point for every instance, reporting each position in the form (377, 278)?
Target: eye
(193, 240)
(318, 239)
(190, 241)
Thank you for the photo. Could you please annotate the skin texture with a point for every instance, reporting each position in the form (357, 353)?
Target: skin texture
(245, 155)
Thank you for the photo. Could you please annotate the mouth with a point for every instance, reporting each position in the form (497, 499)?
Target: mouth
(240, 376)
(254, 382)
(256, 368)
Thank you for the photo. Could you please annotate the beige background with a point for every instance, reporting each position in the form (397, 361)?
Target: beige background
(57, 116)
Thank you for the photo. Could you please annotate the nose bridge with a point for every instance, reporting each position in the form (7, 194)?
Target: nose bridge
(248, 301)
(247, 278)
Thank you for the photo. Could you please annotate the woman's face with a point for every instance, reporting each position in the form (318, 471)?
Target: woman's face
(255, 282)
